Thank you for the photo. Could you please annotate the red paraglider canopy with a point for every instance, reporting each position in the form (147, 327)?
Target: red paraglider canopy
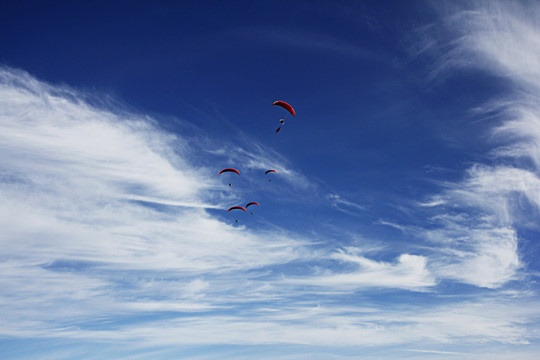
(252, 203)
(229, 170)
(286, 106)
(271, 170)
(237, 208)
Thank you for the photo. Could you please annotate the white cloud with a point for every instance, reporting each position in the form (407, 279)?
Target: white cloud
(499, 37)
(484, 257)
(100, 206)
(407, 272)
(487, 321)
(478, 217)
(522, 128)
(75, 171)
(345, 205)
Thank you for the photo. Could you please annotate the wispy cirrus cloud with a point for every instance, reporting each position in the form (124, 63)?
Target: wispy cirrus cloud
(98, 203)
(308, 41)
(476, 227)
(491, 321)
(407, 272)
(345, 205)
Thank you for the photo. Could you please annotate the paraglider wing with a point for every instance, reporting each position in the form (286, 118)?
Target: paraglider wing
(236, 208)
(229, 170)
(252, 203)
(271, 170)
(286, 106)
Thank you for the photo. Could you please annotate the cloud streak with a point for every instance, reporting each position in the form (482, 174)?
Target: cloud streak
(407, 272)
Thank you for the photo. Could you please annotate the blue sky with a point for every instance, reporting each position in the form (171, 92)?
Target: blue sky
(402, 223)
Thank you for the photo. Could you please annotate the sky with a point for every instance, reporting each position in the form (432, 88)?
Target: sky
(402, 222)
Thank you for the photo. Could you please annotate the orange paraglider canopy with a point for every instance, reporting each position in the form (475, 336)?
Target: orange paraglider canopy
(286, 106)
(237, 208)
(229, 170)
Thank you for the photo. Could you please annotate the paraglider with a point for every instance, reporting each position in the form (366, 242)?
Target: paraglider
(269, 171)
(285, 106)
(237, 208)
(252, 203)
(229, 170)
